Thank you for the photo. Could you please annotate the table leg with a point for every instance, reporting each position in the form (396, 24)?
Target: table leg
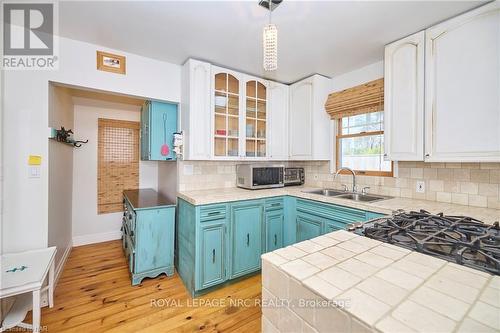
(36, 310)
(51, 285)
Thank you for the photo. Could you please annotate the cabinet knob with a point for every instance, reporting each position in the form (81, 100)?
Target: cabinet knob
(427, 155)
(275, 239)
(248, 240)
(213, 256)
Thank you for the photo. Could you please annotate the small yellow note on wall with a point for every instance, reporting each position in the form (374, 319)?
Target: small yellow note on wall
(35, 160)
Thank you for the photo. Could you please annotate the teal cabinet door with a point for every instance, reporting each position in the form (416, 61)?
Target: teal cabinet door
(246, 232)
(308, 226)
(333, 225)
(156, 237)
(213, 254)
(274, 230)
(158, 128)
(145, 131)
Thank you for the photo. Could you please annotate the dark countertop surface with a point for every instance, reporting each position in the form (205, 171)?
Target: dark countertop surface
(146, 198)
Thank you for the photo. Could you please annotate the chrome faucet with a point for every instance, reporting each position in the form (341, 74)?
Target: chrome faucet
(353, 176)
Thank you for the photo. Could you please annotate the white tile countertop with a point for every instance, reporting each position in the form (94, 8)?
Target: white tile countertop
(378, 287)
(205, 197)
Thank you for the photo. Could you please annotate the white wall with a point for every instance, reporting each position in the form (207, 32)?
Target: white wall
(60, 175)
(88, 226)
(25, 210)
(359, 76)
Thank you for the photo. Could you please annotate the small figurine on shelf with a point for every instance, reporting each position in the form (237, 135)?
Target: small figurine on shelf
(63, 135)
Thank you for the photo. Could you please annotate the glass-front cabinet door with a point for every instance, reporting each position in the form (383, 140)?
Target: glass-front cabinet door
(226, 115)
(240, 109)
(255, 119)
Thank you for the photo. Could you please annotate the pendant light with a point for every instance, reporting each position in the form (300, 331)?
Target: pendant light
(270, 38)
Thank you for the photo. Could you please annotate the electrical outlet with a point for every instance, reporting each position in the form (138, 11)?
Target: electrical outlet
(420, 187)
(188, 169)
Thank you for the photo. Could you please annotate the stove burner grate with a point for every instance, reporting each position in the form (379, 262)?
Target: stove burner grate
(461, 239)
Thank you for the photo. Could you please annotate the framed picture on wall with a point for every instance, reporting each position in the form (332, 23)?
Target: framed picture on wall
(110, 62)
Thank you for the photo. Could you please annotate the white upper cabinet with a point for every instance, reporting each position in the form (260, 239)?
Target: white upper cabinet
(404, 99)
(278, 121)
(310, 137)
(195, 110)
(462, 85)
(301, 95)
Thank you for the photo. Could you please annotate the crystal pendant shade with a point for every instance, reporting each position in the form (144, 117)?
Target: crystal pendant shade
(270, 47)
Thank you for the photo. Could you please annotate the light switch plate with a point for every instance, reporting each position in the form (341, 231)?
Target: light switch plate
(420, 187)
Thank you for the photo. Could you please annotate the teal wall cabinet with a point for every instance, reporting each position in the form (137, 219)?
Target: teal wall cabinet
(148, 235)
(246, 237)
(158, 125)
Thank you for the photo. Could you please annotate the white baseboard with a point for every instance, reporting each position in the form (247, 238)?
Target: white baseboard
(96, 238)
(60, 267)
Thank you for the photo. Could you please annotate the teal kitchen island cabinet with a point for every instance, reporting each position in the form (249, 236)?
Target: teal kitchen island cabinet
(217, 243)
(158, 125)
(148, 231)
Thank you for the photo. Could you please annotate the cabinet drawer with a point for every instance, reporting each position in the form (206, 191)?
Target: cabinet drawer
(210, 213)
(274, 204)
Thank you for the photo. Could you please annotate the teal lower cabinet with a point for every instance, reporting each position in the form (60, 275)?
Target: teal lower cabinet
(213, 251)
(148, 235)
(220, 242)
(316, 218)
(308, 226)
(246, 237)
(274, 230)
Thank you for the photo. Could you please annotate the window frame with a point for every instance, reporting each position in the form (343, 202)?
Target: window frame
(339, 136)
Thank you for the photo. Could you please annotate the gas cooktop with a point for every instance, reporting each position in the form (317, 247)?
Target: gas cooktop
(460, 239)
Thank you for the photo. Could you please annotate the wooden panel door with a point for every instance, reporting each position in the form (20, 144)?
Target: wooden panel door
(246, 224)
(213, 254)
(162, 126)
(278, 121)
(308, 226)
(300, 117)
(462, 108)
(274, 230)
(404, 99)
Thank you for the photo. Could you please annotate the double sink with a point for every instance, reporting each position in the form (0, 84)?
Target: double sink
(354, 196)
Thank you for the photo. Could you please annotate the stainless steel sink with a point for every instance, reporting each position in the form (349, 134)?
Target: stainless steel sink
(327, 192)
(349, 195)
(362, 197)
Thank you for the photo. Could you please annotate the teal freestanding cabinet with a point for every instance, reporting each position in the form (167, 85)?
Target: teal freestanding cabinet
(158, 125)
(148, 230)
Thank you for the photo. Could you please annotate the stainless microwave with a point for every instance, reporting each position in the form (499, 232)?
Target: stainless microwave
(259, 176)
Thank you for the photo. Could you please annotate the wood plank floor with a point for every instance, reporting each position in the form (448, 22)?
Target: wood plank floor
(94, 294)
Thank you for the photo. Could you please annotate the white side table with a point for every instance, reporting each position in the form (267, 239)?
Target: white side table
(23, 273)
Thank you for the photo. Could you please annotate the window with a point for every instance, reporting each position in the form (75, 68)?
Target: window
(117, 162)
(360, 144)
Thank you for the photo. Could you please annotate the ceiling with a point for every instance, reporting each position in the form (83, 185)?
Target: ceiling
(325, 37)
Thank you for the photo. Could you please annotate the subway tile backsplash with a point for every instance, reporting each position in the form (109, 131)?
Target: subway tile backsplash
(473, 184)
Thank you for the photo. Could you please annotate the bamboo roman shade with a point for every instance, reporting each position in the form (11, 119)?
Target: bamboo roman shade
(365, 98)
(118, 162)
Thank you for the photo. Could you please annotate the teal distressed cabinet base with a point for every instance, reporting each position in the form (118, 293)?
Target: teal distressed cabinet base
(148, 234)
(221, 243)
